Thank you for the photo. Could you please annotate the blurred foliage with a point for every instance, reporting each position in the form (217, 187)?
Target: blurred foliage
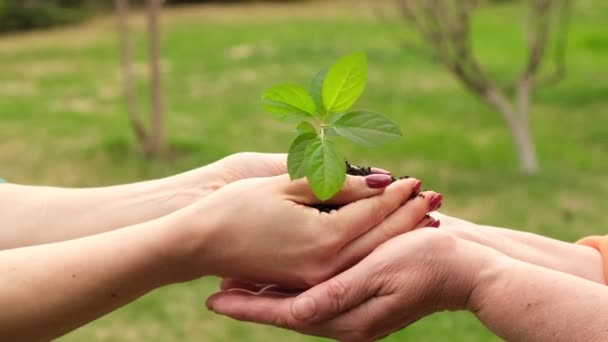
(222, 1)
(18, 15)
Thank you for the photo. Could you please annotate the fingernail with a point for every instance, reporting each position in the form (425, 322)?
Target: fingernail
(377, 170)
(209, 305)
(436, 202)
(378, 181)
(417, 186)
(435, 224)
(303, 308)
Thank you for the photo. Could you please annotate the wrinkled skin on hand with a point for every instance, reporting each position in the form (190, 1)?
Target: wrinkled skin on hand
(402, 281)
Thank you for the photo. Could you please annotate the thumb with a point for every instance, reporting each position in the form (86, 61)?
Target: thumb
(355, 188)
(324, 301)
(335, 296)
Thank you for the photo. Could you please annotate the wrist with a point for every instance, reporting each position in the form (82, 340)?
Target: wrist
(194, 185)
(491, 280)
(185, 238)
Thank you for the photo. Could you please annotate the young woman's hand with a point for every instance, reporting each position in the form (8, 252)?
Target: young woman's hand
(249, 165)
(264, 230)
(209, 178)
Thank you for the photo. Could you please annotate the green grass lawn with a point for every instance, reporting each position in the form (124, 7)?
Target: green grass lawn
(63, 122)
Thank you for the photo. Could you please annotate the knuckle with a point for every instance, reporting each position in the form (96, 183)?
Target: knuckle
(406, 189)
(284, 322)
(446, 243)
(333, 230)
(336, 294)
(239, 156)
(348, 185)
(379, 211)
(324, 221)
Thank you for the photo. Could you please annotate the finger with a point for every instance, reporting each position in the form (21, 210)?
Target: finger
(428, 221)
(372, 320)
(265, 308)
(452, 221)
(399, 222)
(357, 218)
(355, 188)
(277, 311)
(336, 295)
(324, 301)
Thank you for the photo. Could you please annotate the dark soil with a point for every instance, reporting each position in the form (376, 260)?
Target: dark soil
(355, 170)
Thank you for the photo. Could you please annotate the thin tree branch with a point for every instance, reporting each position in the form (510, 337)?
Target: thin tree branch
(156, 138)
(133, 110)
(537, 27)
(561, 42)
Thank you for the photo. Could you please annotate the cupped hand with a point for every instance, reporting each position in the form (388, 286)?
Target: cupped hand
(578, 260)
(264, 230)
(402, 281)
(249, 165)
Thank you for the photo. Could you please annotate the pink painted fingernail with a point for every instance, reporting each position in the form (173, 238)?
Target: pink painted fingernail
(436, 202)
(377, 170)
(417, 186)
(378, 181)
(435, 224)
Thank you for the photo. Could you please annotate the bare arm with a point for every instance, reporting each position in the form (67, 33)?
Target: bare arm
(523, 302)
(48, 290)
(31, 215)
(35, 215)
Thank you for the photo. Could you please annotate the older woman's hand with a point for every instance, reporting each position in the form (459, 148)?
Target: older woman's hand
(426, 271)
(405, 279)
(578, 260)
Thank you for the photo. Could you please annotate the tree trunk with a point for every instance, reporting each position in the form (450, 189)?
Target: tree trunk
(521, 131)
(122, 15)
(156, 138)
(517, 122)
(525, 147)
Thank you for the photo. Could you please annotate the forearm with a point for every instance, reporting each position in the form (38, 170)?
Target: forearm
(571, 258)
(524, 302)
(36, 215)
(48, 290)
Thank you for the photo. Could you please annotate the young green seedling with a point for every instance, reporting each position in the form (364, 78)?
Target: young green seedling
(322, 116)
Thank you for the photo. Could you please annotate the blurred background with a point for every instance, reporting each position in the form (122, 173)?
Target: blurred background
(504, 105)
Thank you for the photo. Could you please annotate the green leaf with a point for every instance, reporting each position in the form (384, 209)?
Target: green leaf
(345, 82)
(289, 102)
(306, 127)
(296, 159)
(316, 90)
(326, 169)
(329, 132)
(366, 128)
